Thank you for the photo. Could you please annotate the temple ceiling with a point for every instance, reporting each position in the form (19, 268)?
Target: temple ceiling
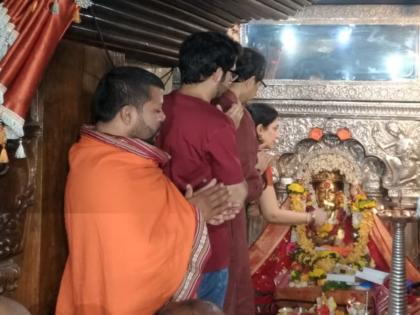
(152, 30)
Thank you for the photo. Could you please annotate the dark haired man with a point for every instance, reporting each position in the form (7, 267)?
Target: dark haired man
(201, 140)
(250, 70)
(134, 241)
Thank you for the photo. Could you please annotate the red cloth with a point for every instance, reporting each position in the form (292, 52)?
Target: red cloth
(268, 176)
(264, 279)
(240, 293)
(279, 260)
(23, 66)
(246, 138)
(378, 258)
(202, 143)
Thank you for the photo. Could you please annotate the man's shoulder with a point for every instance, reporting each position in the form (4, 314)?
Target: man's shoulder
(167, 98)
(214, 120)
(192, 109)
(94, 156)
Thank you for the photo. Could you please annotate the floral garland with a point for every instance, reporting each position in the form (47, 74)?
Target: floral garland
(362, 208)
(326, 260)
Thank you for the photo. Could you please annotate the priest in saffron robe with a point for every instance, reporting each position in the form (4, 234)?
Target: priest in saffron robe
(135, 242)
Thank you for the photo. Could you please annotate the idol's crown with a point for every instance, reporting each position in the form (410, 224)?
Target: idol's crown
(334, 176)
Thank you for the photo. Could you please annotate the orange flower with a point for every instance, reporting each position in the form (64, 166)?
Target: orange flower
(343, 134)
(316, 134)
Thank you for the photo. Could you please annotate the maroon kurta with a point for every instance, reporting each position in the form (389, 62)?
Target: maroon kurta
(240, 295)
(202, 143)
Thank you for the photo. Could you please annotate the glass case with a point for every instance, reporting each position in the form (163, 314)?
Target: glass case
(337, 52)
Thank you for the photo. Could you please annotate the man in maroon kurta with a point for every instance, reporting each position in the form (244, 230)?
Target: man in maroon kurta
(202, 142)
(250, 69)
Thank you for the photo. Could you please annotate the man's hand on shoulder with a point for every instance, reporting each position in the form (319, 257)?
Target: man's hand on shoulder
(263, 161)
(213, 201)
(236, 112)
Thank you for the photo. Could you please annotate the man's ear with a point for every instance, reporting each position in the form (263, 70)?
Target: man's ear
(125, 114)
(250, 81)
(217, 75)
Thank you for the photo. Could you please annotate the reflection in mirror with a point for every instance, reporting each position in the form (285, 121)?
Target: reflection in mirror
(337, 52)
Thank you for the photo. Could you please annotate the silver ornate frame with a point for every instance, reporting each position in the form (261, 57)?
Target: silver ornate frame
(366, 108)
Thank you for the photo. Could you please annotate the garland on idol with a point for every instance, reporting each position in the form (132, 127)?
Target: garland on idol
(312, 264)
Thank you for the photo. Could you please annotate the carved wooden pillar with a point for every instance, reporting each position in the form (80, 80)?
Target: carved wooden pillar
(17, 189)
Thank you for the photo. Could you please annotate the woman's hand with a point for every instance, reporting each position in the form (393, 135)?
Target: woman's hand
(319, 217)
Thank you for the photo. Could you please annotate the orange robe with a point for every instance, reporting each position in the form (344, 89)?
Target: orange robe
(130, 233)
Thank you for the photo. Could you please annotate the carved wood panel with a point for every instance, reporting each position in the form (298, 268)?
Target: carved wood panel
(17, 186)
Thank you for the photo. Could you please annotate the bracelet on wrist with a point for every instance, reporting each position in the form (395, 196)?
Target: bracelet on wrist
(310, 218)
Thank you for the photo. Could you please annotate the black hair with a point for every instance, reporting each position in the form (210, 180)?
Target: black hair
(250, 63)
(202, 53)
(262, 114)
(120, 87)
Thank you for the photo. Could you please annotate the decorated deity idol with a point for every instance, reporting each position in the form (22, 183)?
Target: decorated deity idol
(328, 190)
(342, 241)
(302, 255)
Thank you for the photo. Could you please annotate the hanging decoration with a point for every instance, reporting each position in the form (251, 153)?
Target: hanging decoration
(3, 141)
(30, 31)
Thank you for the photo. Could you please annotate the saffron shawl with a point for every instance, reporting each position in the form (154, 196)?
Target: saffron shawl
(134, 241)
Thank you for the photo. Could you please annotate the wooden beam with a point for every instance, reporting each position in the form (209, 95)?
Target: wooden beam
(141, 55)
(268, 11)
(189, 13)
(142, 20)
(159, 18)
(235, 9)
(208, 7)
(118, 39)
(128, 30)
(290, 3)
(279, 6)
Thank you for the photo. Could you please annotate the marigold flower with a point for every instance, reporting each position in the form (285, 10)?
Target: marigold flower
(295, 188)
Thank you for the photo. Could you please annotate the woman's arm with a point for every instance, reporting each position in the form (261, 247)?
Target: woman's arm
(273, 214)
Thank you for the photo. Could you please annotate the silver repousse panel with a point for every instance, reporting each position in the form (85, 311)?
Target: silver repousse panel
(382, 116)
